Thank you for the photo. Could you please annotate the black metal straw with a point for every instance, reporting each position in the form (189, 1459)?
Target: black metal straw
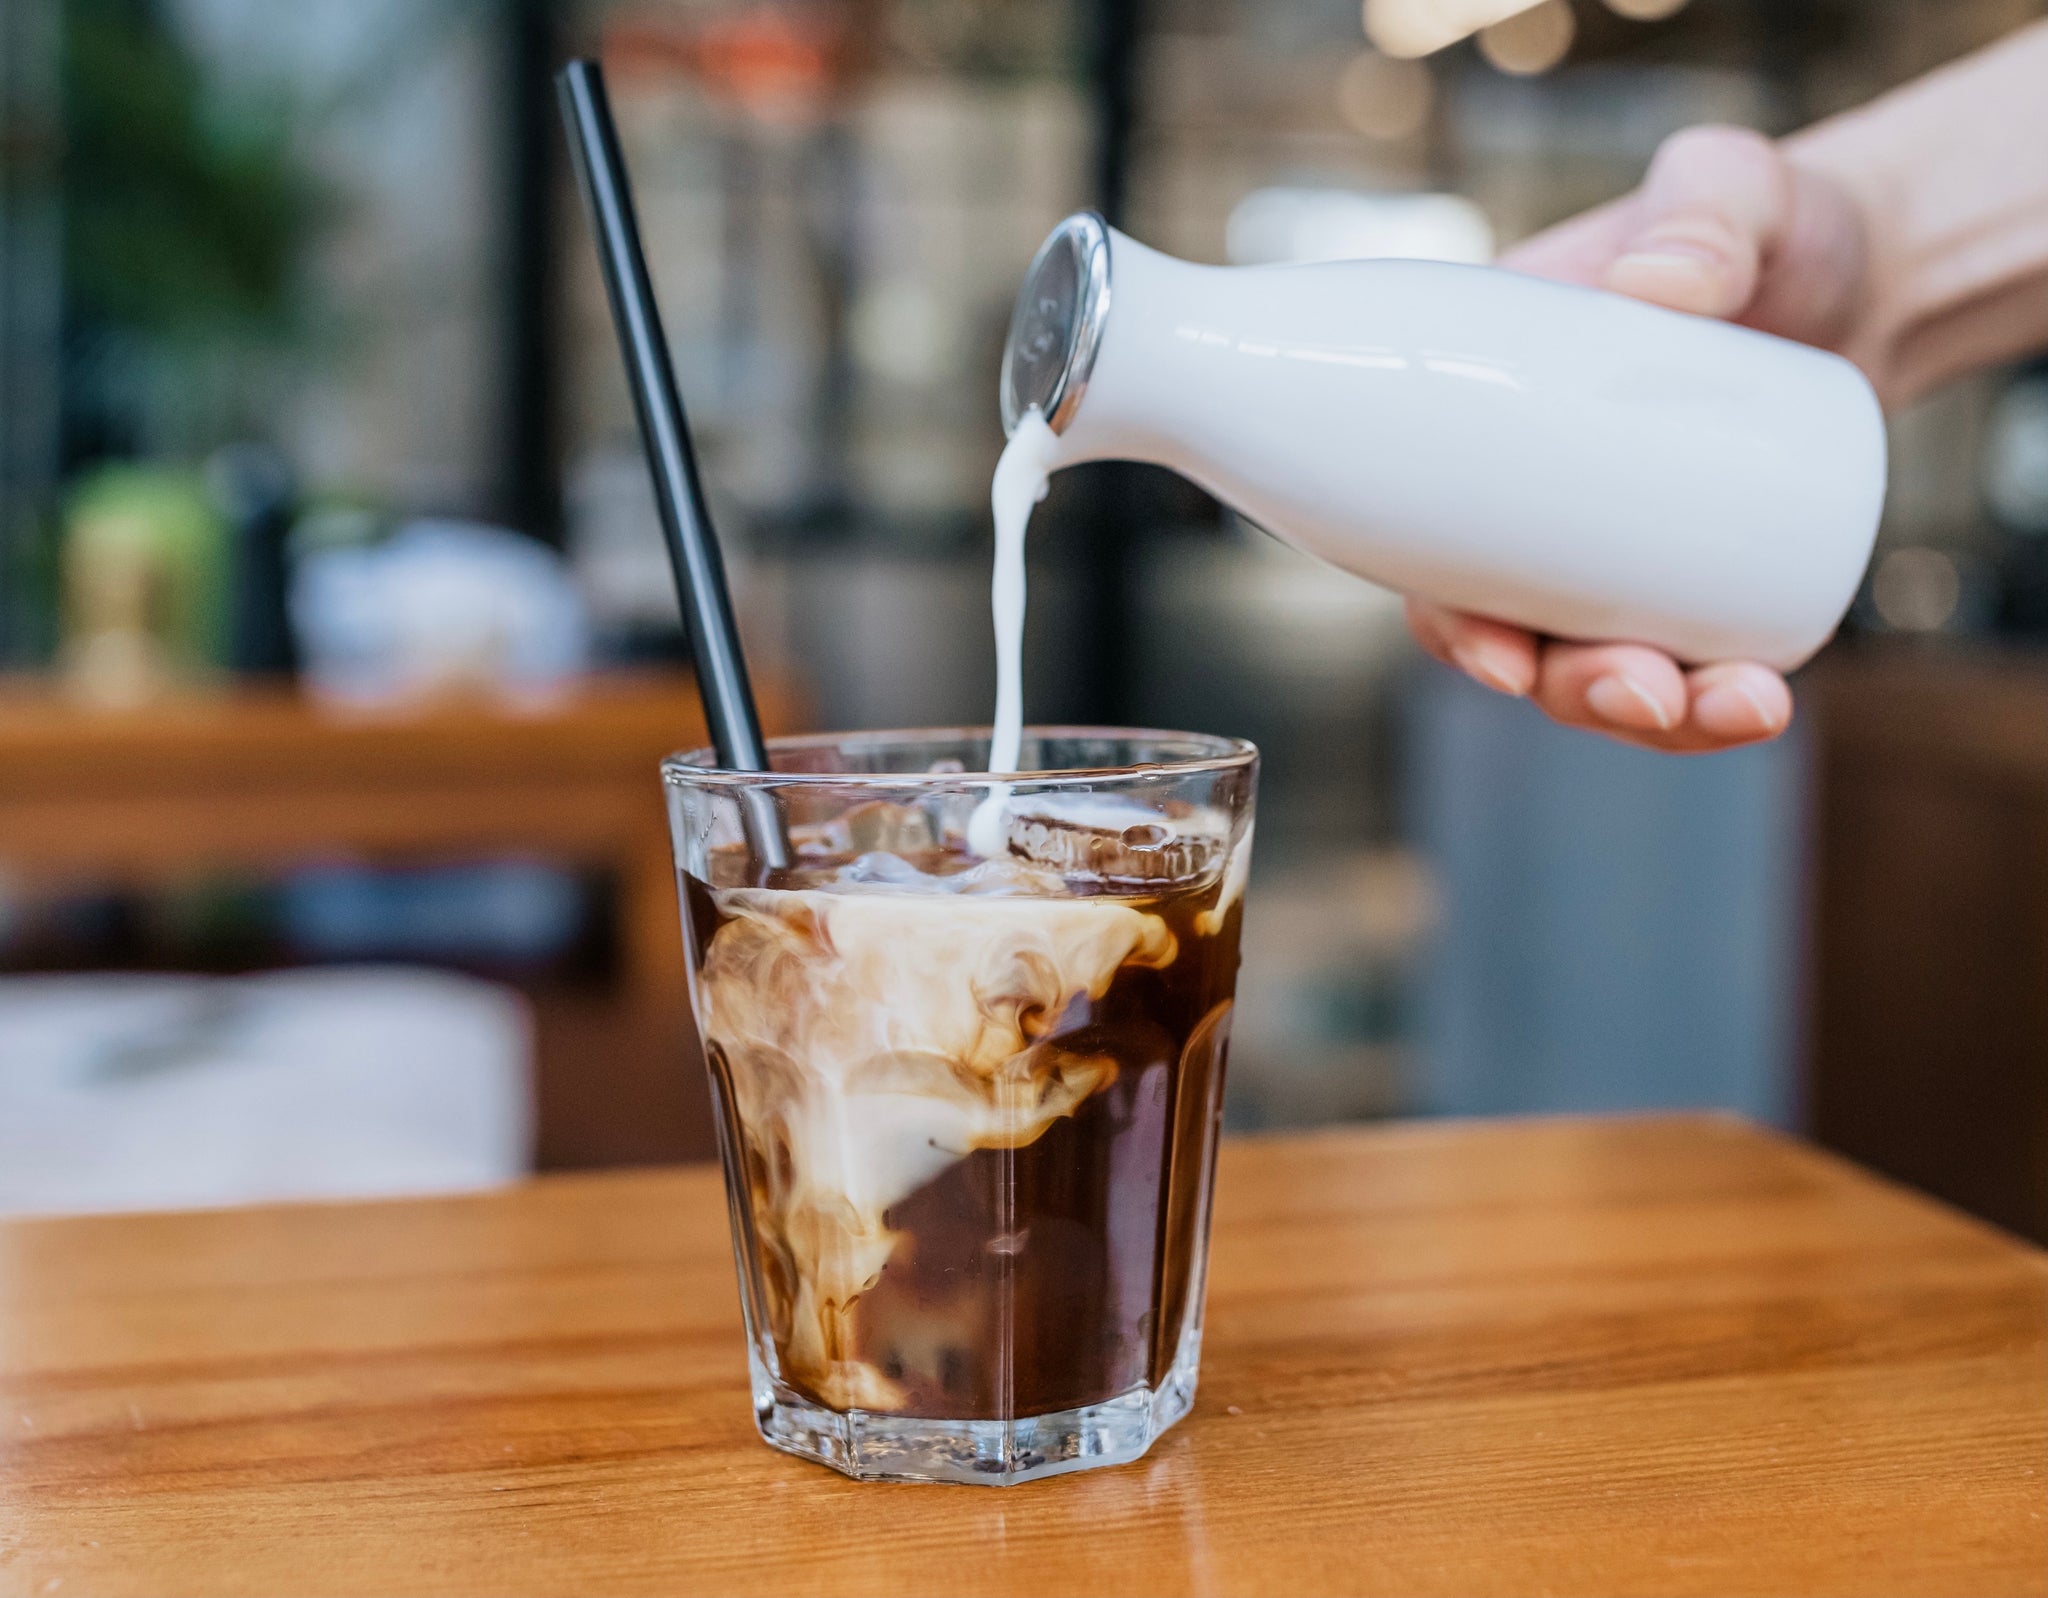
(729, 708)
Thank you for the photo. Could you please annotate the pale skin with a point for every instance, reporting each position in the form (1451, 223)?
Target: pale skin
(1910, 236)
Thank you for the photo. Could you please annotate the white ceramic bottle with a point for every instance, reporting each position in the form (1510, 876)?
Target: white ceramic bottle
(1573, 461)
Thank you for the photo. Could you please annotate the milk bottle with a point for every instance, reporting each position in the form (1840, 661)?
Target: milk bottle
(1579, 463)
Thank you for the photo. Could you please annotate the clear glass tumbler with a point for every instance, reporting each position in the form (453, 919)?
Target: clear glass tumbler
(968, 1106)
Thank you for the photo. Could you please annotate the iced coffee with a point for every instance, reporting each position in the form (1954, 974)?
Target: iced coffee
(969, 1100)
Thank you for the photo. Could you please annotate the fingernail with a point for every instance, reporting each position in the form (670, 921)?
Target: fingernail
(1491, 666)
(1670, 274)
(1620, 699)
(1734, 707)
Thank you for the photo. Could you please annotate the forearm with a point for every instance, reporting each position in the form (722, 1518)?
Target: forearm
(1950, 174)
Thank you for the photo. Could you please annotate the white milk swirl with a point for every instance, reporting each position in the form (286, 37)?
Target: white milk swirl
(872, 1040)
(1022, 476)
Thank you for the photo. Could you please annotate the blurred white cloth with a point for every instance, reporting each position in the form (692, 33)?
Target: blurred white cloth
(439, 605)
(161, 1092)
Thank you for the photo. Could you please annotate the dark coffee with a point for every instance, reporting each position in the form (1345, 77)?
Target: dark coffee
(976, 1128)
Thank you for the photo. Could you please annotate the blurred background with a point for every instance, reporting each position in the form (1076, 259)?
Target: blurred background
(337, 645)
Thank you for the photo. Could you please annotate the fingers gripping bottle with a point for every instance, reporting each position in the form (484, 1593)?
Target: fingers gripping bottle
(1575, 462)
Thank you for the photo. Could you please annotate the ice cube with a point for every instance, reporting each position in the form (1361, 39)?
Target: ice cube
(886, 872)
(898, 829)
(877, 868)
(1112, 842)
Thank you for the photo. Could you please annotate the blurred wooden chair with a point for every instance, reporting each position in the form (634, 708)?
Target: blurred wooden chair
(1929, 1047)
(258, 779)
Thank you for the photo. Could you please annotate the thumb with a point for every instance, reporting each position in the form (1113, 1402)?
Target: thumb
(1711, 209)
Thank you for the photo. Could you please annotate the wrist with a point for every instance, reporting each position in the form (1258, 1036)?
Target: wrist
(1955, 227)
(1848, 196)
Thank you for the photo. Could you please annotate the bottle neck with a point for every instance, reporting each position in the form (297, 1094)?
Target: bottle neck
(1056, 329)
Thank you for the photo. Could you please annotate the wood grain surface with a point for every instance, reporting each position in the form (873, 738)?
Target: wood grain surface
(1664, 1356)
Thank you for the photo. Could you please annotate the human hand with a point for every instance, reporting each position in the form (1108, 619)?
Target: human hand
(1726, 224)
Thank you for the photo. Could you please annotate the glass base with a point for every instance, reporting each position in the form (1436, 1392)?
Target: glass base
(980, 1453)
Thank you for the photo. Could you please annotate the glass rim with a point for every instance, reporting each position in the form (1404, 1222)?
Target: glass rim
(698, 767)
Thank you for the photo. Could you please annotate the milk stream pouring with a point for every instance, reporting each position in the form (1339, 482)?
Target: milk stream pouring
(1572, 461)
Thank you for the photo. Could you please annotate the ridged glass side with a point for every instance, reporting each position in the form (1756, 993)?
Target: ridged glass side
(969, 1122)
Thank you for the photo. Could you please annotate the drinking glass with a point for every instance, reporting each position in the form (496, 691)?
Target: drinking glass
(968, 1108)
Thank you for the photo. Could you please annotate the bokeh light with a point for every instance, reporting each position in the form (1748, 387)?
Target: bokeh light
(1646, 10)
(2016, 458)
(1383, 97)
(1917, 590)
(1411, 28)
(1532, 42)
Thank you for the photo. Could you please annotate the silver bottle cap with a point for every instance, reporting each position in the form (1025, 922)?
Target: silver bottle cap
(1057, 326)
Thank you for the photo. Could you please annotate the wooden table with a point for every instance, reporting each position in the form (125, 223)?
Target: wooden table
(258, 778)
(1664, 1356)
